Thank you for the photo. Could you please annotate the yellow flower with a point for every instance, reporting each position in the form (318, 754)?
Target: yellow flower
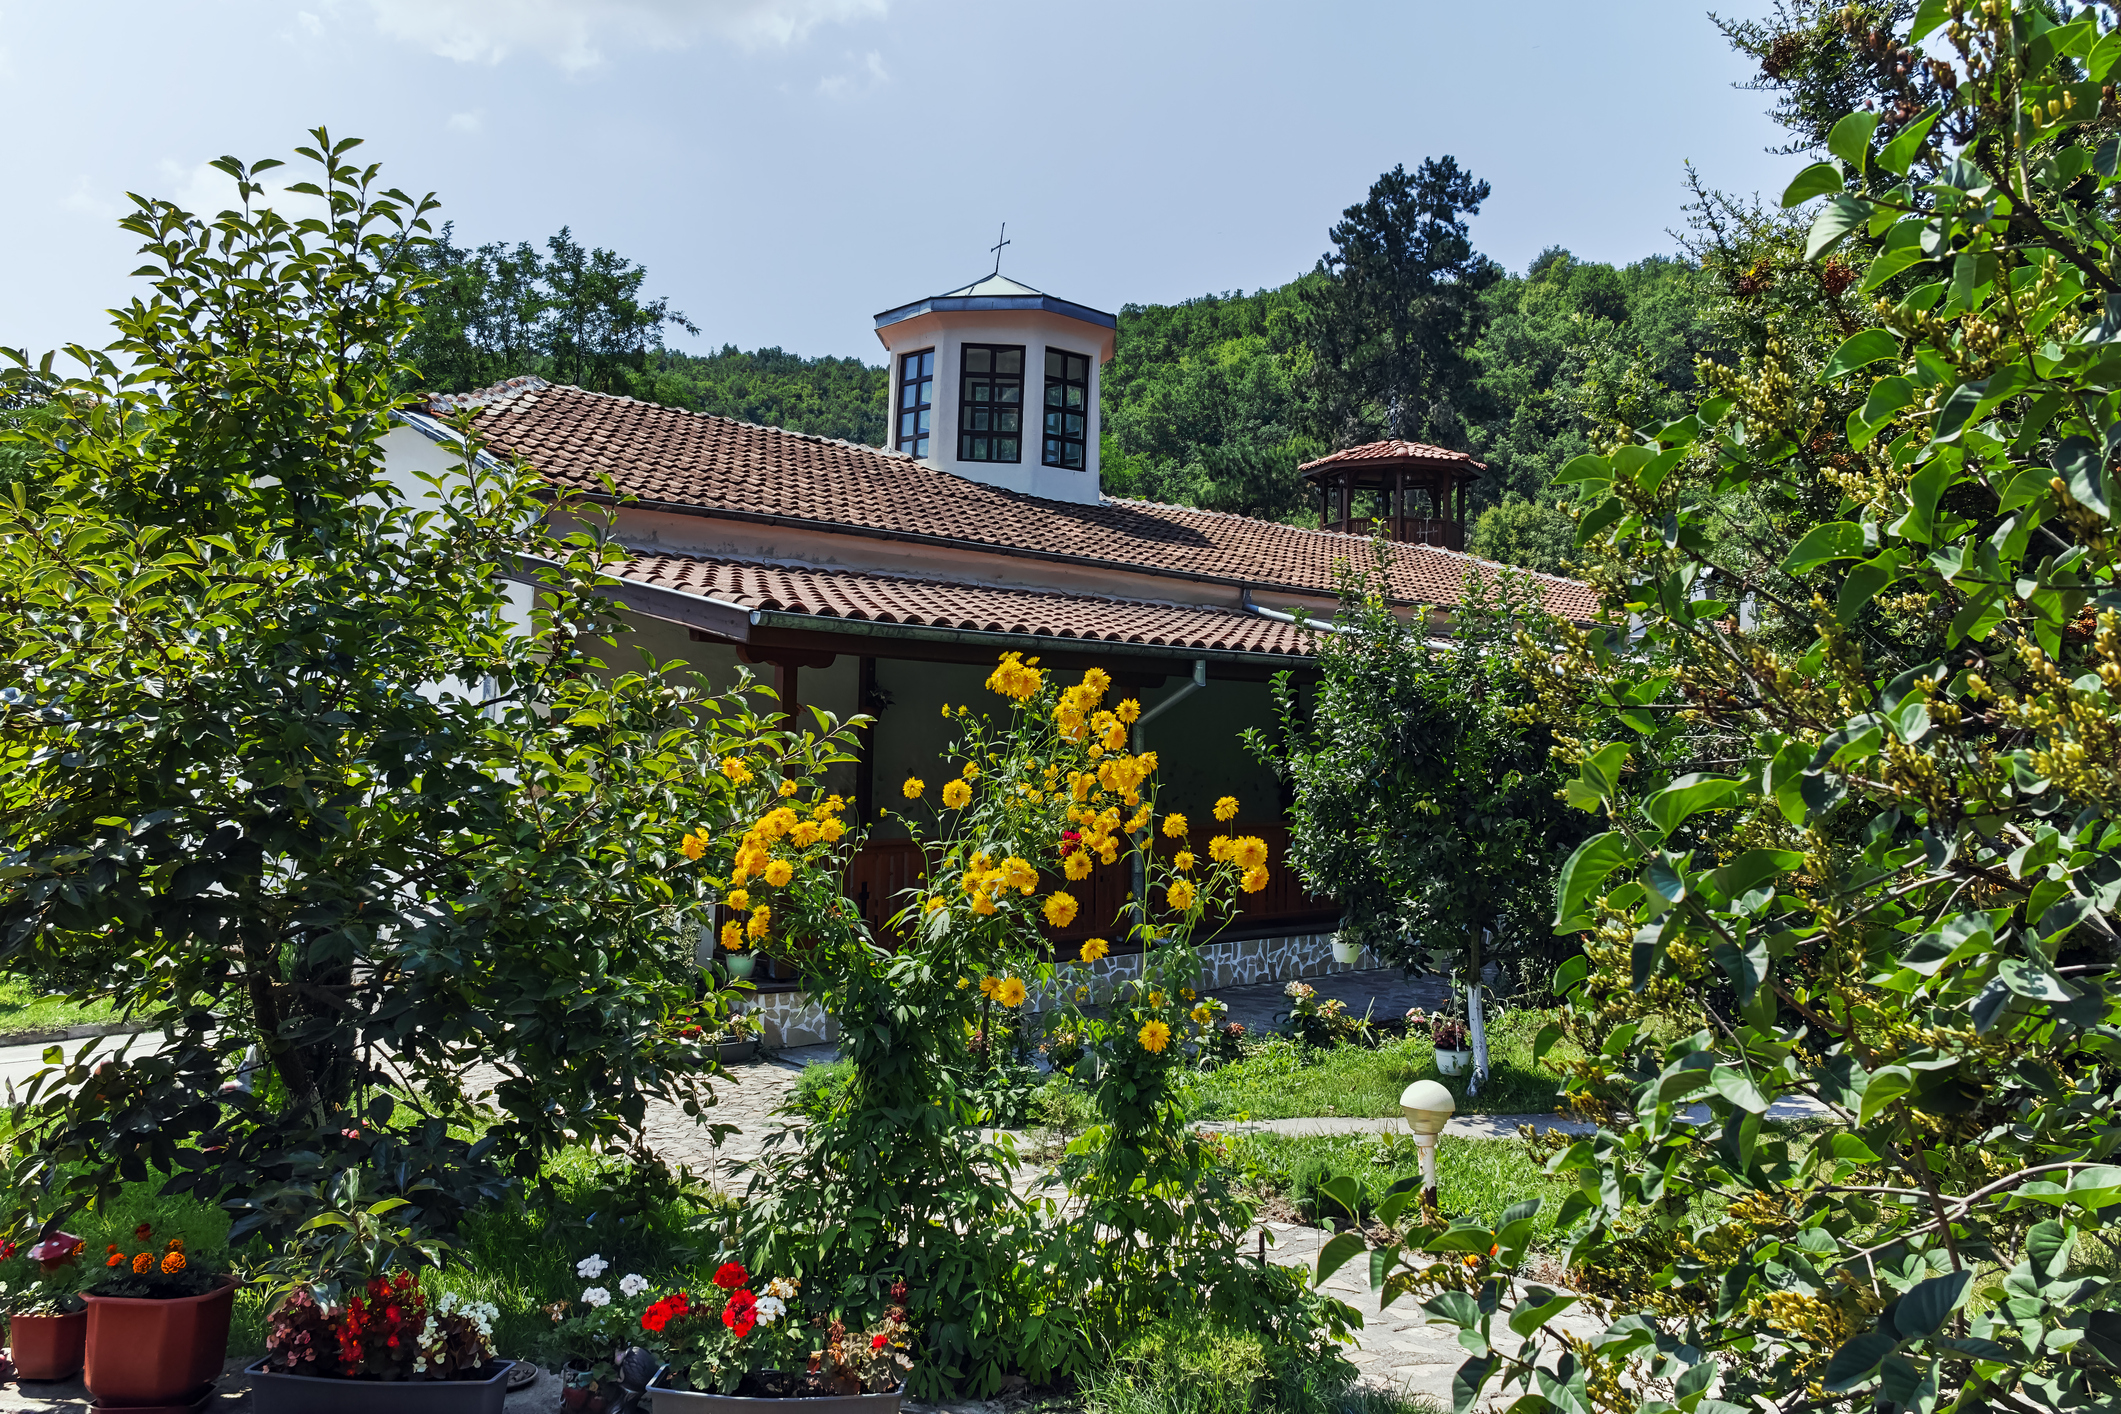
(1096, 682)
(830, 805)
(971, 771)
(1180, 895)
(1115, 738)
(1093, 949)
(695, 845)
(805, 835)
(761, 921)
(1201, 1013)
(1129, 710)
(1219, 849)
(1154, 1037)
(1183, 861)
(935, 902)
(988, 984)
(1010, 992)
(1254, 880)
(1108, 851)
(736, 770)
(1186, 992)
(1156, 999)
(981, 904)
(1019, 875)
(732, 937)
(738, 900)
(1249, 851)
(832, 829)
(1060, 909)
(777, 822)
(1175, 826)
(1139, 819)
(946, 709)
(1226, 808)
(962, 982)
(787, 789)
(957, 795)
(1015, 678)
(779, 872)
(1082, 994)
(1077, 865)
(913, 788)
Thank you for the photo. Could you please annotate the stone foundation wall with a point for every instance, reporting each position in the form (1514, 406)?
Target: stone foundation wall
(792, 1019)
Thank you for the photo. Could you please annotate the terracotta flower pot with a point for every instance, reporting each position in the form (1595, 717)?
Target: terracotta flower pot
(47, 1347)
(145, 1352)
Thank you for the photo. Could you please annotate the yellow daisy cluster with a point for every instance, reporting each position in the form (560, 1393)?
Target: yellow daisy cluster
(1009, 991)
(736, 770)
(1247, 852)
(695, 844)
(1072, 714)
(781, 826)
(1015, 678)
(984, 879)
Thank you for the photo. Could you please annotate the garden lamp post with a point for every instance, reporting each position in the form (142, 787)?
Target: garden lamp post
(1428, 1108)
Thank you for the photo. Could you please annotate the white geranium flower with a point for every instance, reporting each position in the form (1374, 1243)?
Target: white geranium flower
(591, 1267)
(633, 1284)
(771, 1309)
(596, 1296)
(782, 1287)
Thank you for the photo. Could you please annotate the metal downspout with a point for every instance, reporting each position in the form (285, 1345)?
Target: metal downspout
(1199, 681)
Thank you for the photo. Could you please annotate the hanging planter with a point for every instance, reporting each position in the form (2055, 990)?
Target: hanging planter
(1347, 953)
(1453, 1062)
(47, 1347)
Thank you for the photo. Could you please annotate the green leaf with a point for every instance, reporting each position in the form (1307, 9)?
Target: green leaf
(1859, 351)
(1888, 263)
(1928, 1304)
(2079, 462)
(1835, 540)
(1670, 807)
(2100, 61)
(1836, 219)
(1736, 1086)
(1899, 154)
(1930, 15)
(1454, 1308)
(1864, 583)
(1884, 1087)
(1583, 874)
(1753, 868)
(1466, 1383)
(1851, 139)
(1588, 467)
(1853, 1363)
(1537, 1308)
(1338, 1252)
(2047, 1249)
(1888, 396)
(1819, 179)
(1570, 973)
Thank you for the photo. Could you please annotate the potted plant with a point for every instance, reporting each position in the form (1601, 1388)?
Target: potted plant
(1448, 1035)
(740, 1351)
(47, 1324)
(157, 1323)
(589, 1346)
(349, 1313)
(1346, 950)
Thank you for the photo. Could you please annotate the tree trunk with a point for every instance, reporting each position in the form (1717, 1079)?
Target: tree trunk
(1476, 1027)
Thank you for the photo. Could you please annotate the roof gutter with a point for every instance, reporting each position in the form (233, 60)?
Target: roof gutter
(1029, 642)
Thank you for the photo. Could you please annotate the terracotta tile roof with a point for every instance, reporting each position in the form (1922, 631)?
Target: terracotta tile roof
(719, 466)
(843, 594)
(1394, 451)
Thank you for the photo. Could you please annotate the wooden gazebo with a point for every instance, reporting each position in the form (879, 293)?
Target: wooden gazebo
(1418, 491)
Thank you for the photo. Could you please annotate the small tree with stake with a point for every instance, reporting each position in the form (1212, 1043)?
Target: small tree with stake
(279, 752)
(1424, 794)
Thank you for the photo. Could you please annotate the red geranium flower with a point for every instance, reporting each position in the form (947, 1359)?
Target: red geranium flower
(878, 1341)
(142, 1231)
(731, 1275)
(1069, 840)
(655, 1317)
(740, 1313)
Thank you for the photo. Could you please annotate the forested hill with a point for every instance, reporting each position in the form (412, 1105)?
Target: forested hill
(827, 397)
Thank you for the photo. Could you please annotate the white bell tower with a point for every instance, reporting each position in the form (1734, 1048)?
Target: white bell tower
(998, 383)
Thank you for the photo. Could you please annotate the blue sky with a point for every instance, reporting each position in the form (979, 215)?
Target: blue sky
(786, 168)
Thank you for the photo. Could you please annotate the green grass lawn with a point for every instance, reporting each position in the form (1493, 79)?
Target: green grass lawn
(1475, 1178)
(1281, 1080)
(24, 1008)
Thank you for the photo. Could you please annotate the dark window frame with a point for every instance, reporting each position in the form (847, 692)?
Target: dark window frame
(1054, 440)
(970, 438)
(909, 442)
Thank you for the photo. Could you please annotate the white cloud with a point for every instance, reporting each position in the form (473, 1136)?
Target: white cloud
(570, 33)
(85, 200)
(311, 25)
(467, 122)
(866, 75)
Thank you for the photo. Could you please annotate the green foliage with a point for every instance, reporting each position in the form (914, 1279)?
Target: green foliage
(25, 1006)
(1181, 1366)
(1394, 309)
(573, 314)
(820, 1087)
(1477, 1179)
(1525, 534)
(825, 397)
(1424, 797)
(1869, 854)
(290, 758)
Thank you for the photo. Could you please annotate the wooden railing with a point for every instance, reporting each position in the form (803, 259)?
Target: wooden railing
(883, 868)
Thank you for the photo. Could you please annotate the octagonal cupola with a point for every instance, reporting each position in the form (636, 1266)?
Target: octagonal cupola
(998, 382)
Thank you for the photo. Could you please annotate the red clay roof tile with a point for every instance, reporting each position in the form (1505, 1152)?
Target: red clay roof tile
(696, 461)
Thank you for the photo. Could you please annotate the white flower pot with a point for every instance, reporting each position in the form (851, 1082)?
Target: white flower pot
(1453, 1062)
(1349, 953)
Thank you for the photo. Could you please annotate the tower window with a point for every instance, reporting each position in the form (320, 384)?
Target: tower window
(916, 401)
(1067, 408)
(990, 418)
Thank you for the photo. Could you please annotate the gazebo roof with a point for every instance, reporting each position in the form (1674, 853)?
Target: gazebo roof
(1393, 456)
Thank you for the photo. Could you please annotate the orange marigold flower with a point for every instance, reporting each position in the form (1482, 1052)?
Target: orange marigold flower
(117, 1259)
(172, 1263)
(143, 1264)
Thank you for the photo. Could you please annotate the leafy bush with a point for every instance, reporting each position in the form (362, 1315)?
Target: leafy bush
(820, 1087)
(1182, 1366)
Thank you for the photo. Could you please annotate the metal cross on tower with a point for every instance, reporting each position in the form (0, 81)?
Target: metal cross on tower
(997, 248)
